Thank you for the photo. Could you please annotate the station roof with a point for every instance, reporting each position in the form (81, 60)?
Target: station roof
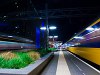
(86, 11)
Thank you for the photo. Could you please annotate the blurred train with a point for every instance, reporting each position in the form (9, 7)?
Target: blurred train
(86, 43)
(14, 43)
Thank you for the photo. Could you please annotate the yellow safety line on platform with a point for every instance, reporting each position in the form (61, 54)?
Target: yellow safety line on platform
(62, 67)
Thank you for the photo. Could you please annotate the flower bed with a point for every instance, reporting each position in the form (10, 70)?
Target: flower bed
(31, 69)
(17, 60)
(20, 59)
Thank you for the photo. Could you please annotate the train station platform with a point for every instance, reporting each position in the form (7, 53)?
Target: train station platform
(65, 63)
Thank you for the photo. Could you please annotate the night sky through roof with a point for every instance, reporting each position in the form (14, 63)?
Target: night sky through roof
(66, 26)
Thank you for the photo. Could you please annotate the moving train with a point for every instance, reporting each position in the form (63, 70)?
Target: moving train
(14, 43)
(86, 43)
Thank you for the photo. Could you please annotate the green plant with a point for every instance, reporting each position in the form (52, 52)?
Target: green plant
(51, 49)
(1, 61)
(43, 51)
(20, 60)
(25, 57)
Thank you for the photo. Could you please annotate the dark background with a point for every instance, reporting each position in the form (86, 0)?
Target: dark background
(66, 27)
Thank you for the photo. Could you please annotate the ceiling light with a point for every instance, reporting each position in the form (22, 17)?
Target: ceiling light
(79, 37)
(90, 28)
(17, 6)
(43, 28)
(10, 36)
(5, 16)
(15, 3)
(55, 36)
(50, 36)
(16, 27)
(52, 27)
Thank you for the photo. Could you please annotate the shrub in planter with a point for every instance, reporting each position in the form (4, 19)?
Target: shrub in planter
(43, 52)
(51, 49)
(17, 60)
(34, 55)
(8, 55)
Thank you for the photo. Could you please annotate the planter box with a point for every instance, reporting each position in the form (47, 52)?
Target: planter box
(32, 69)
